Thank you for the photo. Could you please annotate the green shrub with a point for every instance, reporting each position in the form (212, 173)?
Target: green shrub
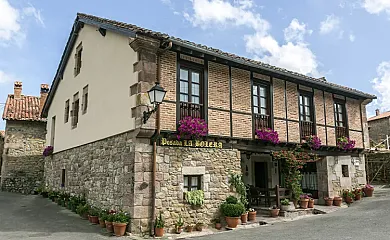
(285, 202)
(93, 211)
(121, 217)
(232, 209)
(82, 209)
(110, 217)
(195, 198)
(159, 223)
(231, 200)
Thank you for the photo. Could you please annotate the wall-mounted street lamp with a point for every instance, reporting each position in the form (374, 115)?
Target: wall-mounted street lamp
(156, 96)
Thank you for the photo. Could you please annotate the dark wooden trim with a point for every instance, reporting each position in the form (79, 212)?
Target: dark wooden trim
(285, 119)
(230, 100)
(253, 119)
(271, 97)
(299, 112)
(242, 113)
(361, 122)
(285, 104)
(219, 109)
(206, 90)
(353, 130)
(169, 101)
(326, 128)
(177, 88)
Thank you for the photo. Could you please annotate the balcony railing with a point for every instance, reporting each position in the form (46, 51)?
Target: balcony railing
(262, 121)
(307, 129)
(191, 109)
(341, 132)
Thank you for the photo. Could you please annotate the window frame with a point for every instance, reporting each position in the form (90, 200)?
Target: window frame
(190, 69)
(311, 115)
(190, 186)
(267, 98)
(63, 178)
(84, 105)
(78, 59)
(67, 110)
(53, 131)
(340, 102)
(75, 110)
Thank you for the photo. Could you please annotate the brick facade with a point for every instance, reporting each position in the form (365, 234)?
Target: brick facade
(241, 90)
(319, 106)
(279, 98)
(219, 123)
(292, 101)
(242, 125)
(168, 74)
(353, 111)
(329, 109)
(218, 86)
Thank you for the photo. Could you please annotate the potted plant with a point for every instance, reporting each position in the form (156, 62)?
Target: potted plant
(195, 198)
(94, 215)
(218, 224)
(120, 221)
(267, 135)
(159, 226)
(304, 201)
(232, 210)
(358, 192)
(346, 144)
(285, 205)
(313, 142)
(179, 225)
(348, 196)
(274, 211)
(199, 226)
(102, 218)
(244, 218)
(328, 201)
(337, 201)
(368, 190)
(311, 203)
(82, 210)
(191, 128)
(109, 220)
(190, 227)
(252, 214)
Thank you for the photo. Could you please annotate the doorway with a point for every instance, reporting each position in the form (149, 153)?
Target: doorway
(261, 174)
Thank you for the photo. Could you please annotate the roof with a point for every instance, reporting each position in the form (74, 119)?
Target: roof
(131, 30)
(380, 116)
(2, 133)
(26, 108)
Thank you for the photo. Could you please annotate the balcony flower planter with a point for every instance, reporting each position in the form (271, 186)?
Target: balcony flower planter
(191, 128)
(313, 142)
(267, 136)
(328, 201)
(345, 144)
(337, 201)
(368, 190)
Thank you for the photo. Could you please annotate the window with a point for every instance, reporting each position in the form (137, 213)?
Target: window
(191, 97)
(344, 170)
(75, 110)
(78, 56)
(66, 114)
(85, 100)
(305, 108)
(63, 178)
(260, 96)
(192, 182)
(339, 114)
(53, 130)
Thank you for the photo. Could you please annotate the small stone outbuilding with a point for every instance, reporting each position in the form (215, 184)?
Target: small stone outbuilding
(24, 140)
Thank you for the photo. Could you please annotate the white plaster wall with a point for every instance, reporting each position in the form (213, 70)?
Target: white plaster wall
(273, 172)
(107, 69)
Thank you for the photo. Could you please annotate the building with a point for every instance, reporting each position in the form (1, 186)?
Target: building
(379, 129)
(104, 149)
(2, 134)
(22, 166)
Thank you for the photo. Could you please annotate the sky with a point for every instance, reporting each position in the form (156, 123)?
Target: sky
(344, 41)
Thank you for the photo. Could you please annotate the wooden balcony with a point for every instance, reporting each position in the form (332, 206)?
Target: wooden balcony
(191, 109)
(307, 129)
(341, 132)
(262, 121)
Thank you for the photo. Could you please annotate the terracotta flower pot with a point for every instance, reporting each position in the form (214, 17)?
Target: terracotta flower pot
(94, 219)
(311, 203)
(252, 216)
(304, 202)
(368, 192)
(179, 230)
(89, 218)
(190, 228)
(199, 227)
(159, 232)
(119, 229)
(337, 201)
(232, 222)
(244, 218)
(109, 227)
(295, 202)
(102, 224)
(328, 201)
(358, 197)
(348, 200)
(274, 212)
(218, 226)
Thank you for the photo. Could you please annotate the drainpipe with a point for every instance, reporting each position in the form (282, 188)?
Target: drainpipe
(158, 129)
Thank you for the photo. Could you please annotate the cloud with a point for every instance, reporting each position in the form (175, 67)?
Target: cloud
(376, 6)
(330, 24)
(352, 37)
(6, 78)
(294, 55)
(381, 84)
(12, 22)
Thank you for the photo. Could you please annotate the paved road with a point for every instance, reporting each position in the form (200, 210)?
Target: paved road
(33, 217)
(367, 219)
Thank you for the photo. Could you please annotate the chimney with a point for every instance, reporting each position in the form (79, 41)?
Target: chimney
(17, 90)
(377, 112)
(44, 93)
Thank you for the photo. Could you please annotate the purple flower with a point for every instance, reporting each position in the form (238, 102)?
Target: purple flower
(267, 134)
(345, 143)
(48, 151)
(190, 127)
(313, 142)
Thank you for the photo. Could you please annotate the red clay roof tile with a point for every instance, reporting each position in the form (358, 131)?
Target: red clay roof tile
(26, 109)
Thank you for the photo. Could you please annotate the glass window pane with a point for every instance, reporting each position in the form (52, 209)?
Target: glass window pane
(256, 110)
(341, 124)
(263, 102)
(340, 117)
(301, 99)
(183, 98)
(255, 101)
(307, 103)
(184, 74)
(307, 109)
(301, 109)
(302, 118)
(195, 89)
(308, 118)
(185, 181)
(195, 100)
(254, 90)
(195, 77)
(194, 188)
(194, 182)
(183, 87)
(263, 92)
(340, 108)
(263, 111)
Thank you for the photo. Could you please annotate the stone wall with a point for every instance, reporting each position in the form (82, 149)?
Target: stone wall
(23, 164)
(378, 129)
(102, 170)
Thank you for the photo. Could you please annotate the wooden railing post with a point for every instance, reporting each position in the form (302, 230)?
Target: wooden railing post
(277, 196)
